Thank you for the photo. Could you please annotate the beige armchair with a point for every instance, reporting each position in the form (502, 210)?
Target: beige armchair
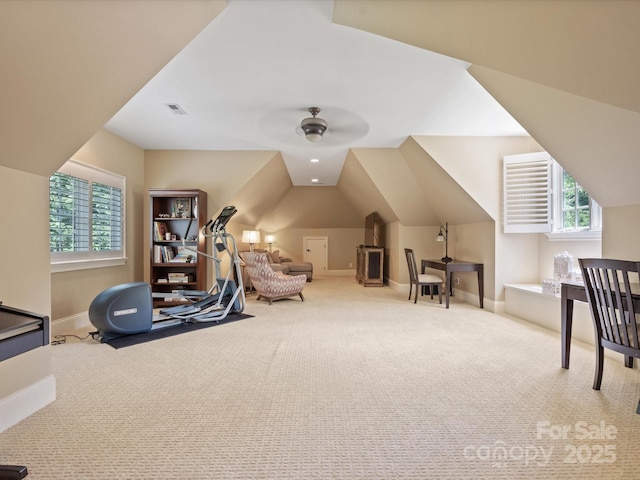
(269, 284)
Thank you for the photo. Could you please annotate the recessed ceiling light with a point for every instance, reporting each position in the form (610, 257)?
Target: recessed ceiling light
(315, 180)
(314, 160)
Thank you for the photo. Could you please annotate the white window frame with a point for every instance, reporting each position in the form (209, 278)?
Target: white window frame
(532, 198)
(594, 232)
(70, 261)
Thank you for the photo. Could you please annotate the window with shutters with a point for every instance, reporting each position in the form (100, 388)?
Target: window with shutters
(527, 193)
(86, 218)
(575, 213)
(541, 197)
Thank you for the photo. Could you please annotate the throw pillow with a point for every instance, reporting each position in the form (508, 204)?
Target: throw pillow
(275, 256)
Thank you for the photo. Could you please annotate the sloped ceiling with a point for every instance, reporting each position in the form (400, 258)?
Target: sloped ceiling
(70, 66)
(474, 162)
(556, 66)
(407, 185)
(359, 189)
(263, 192)
(445, 197)
(597, 143)
(583, 47)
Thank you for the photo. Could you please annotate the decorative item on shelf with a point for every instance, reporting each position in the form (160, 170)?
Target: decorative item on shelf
(270, 239)
(563, 267)
(550, 287)
(181, 208)
(313, 127)
(251, 237)
(443, 236)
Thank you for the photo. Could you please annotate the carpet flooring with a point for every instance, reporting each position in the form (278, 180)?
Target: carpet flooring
(352, 383)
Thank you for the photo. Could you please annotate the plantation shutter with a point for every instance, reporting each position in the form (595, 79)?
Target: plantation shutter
(527, 193)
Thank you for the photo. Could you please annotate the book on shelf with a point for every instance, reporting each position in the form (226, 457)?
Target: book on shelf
(184, 255)
(163, 254)
(160, 230)
(178, 277)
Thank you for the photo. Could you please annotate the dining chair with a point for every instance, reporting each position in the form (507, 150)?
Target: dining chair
(421, 279)
(613, 306)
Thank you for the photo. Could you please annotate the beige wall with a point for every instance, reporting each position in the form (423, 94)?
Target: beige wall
(25, 282)
(221, 174)
(341, 247)
(621, 232)
(72, 292)
(422, 240)
(476, 242)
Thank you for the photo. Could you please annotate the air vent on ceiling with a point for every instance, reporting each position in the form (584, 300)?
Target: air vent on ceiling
(175, 108)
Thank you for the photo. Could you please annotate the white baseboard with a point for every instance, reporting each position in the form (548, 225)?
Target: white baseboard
(341, 273)
(19, 405)
(68, 324)
(461, 295)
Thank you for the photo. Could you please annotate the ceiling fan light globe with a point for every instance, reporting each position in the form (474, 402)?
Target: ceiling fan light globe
(314, 137)
(313, 128)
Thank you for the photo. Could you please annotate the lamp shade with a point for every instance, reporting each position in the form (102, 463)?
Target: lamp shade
(269, 238)
(251, 236)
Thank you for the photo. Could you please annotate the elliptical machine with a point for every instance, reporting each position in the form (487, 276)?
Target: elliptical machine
(127, 309)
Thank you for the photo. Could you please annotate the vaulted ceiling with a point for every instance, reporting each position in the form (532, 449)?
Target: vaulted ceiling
(567, 71)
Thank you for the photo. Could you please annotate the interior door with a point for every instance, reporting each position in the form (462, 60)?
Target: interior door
(315, 251)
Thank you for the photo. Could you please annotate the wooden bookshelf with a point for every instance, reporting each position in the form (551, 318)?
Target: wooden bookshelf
(177, 215)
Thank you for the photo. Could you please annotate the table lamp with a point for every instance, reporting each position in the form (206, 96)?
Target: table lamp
(251, 237)
(270, 239)
(443, 236)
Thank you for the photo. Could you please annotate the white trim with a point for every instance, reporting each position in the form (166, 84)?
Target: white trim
(71, 261)
(27, 401)
(575, 235)
(57, 267)
(68, 324)
(341, 273)
(594, 232)
(460, 295)
(78, 169)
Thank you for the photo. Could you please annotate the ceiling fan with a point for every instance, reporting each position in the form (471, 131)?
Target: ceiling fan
(337, 127)
(313, 127)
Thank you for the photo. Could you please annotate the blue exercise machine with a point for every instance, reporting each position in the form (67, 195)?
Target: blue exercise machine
(127, 309)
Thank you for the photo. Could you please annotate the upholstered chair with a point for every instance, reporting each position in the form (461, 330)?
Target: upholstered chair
(268, 283)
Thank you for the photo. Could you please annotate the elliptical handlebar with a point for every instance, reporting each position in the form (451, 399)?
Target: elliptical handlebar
(218, 224)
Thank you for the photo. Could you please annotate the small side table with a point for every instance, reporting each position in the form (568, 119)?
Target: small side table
(248, 287)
